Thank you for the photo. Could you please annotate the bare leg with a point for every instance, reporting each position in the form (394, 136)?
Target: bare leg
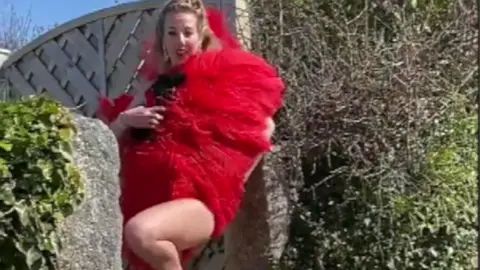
(159, 233)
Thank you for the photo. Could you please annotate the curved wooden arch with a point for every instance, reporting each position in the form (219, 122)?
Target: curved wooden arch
(93, 55)
(80, 21)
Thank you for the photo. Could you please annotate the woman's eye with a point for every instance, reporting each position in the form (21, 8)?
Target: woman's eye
(171, 33)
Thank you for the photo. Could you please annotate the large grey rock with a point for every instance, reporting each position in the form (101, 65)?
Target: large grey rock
(257, 237)
(209, 257)
(91, 236)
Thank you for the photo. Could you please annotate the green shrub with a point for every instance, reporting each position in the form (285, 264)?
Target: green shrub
(39, 184)
(439, 214)
(427, 222)
(377, 127)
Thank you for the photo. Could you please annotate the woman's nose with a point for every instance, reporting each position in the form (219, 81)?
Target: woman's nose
(181, 39)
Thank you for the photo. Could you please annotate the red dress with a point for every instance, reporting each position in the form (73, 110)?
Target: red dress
(210, 137)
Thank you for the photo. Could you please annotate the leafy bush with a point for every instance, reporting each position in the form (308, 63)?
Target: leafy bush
(427, 222)
(438, 216)
(39, 184)
(378, 125)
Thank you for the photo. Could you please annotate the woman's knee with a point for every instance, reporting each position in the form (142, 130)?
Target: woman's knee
(137, 234)
(145, 242)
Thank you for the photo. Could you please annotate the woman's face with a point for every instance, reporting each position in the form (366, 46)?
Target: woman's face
(181, 38)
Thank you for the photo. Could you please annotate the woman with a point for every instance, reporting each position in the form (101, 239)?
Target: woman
(182, 184)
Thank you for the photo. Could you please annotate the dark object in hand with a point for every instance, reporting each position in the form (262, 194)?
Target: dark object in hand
(167, 82)
(162, 88)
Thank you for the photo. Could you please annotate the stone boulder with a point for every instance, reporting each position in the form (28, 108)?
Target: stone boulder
(257, 237)
(91, 236)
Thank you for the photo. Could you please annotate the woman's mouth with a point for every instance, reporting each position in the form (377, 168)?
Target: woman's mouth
(181, 53)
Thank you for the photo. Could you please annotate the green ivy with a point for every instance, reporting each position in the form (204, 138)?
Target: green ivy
(39, 184)
(428, 222)
(440, 217)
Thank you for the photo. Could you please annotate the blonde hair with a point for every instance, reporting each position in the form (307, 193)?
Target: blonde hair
(208, 39)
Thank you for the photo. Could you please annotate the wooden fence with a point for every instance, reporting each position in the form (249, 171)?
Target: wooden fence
(96, 54)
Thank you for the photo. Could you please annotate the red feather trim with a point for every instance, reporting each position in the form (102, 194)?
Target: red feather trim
(208, 140)
(109, 110)
(219, 27)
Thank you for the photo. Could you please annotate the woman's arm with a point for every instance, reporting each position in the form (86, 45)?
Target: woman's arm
(137, 117)
(118, 126)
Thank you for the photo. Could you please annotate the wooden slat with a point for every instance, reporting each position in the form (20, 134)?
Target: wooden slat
(108, 23)
(47, 81)
(87, 91)
(90, 58)
(143, 31)
(130, 56)
(146, 27)
(97, 29)
(119, 79)
(114, 30)
(60, 69)
(136, 85)
(84, 48)
(18, 81)
(118, 43)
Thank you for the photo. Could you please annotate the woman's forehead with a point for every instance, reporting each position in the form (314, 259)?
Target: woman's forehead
(180, 19)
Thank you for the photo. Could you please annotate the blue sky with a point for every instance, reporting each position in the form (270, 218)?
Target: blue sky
(49, 12)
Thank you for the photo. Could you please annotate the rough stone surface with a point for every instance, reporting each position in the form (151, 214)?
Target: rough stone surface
(210, 257)
(257, 237)
(91, 236)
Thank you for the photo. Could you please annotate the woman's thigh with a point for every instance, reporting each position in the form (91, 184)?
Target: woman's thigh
(187, 223)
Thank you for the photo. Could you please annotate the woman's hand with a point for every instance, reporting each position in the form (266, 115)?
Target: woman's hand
(142, 117)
